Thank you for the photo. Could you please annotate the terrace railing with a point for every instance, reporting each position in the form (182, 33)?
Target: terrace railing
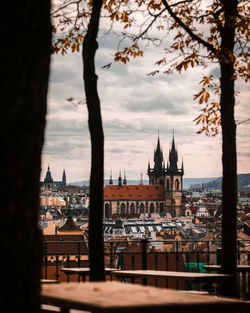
(138, 254)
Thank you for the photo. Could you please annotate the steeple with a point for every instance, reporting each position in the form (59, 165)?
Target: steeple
(120, 180)
(182, 168)
(110, 179)
(48, 177)
(173, 157)
(64, 178)
(124, 179)
(141, 180)
(158, 156)
(148, 167)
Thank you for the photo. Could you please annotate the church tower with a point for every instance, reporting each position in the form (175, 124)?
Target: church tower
(170, 177)
(157, 173)
(48, 181)
(64, 179)
(173, 184)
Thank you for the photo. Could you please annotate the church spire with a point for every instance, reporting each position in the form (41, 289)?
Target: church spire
(120, 179)
(48, 178)
(124, 179)
(158, 156)
(64, 178)
(173, 156)
(110, 179)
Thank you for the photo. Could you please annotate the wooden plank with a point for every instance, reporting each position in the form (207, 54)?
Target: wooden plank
(49, 281)
(204, 277)
(240, 268)
(110, 297)
(83, 270)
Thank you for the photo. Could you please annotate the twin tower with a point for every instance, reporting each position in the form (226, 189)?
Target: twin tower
(170, 176)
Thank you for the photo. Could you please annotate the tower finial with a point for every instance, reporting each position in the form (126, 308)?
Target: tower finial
(124, 179)
(141, 180)
(110, 179)
(120, 179)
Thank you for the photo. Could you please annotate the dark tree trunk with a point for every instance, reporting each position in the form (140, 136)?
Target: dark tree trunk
(229, 158)
(25, 57)
(96, 245)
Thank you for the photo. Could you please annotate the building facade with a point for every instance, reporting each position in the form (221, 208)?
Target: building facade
(163, 195)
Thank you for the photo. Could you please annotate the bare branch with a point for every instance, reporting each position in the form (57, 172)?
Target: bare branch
(65, 6)
(188, 30)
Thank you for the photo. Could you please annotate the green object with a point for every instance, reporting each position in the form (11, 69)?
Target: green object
(193, 267)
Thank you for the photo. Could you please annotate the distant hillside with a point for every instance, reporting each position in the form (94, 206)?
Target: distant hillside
(187, 182)
(243, 183)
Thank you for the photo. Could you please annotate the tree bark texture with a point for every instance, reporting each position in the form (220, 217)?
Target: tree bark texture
(229, 157)
(96, 245)
(25, 32)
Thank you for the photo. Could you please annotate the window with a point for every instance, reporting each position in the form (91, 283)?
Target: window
(161, 207)
(141, 208)
(122, 208)
(152, 208)
(107, 211)
(177, 184)
(168, 184)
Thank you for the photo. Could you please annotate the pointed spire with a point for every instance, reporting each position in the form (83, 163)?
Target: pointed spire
(124, 179)
(48, 178)
(120, 179)
(158, 156)
(148, 167)
(173, 156)
(110, 179)
(64, 178)
(141, 180)
(182, 168)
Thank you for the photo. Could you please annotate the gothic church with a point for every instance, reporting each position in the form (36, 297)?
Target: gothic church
(163, 194)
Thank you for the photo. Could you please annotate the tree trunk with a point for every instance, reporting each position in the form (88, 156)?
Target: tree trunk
(96, 245)
(25, 55)
(229, 158)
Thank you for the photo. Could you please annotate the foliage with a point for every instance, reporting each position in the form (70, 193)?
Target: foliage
(192, 29)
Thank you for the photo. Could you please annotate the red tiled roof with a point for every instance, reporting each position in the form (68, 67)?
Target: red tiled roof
(134, 192)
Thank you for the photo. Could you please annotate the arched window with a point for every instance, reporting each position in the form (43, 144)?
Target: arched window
(107, 211)
(177, 184)
(132, 208)
(161, 182)
(152, 208)
(161, 207)
(168, 184)
(141, 208)
(122, 208)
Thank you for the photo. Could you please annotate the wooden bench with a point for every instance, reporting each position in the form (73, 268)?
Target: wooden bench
(83, 271)
(243, 269)
(114, 297)
(195, 277)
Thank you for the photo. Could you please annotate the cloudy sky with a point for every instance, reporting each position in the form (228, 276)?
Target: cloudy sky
(134, 108)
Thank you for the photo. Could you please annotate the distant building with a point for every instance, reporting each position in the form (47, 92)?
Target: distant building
(163, 195)
(48, 185)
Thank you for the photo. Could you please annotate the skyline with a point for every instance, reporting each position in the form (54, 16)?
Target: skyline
(134, 108)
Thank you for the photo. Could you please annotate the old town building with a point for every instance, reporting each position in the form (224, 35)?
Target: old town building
(163, 194)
